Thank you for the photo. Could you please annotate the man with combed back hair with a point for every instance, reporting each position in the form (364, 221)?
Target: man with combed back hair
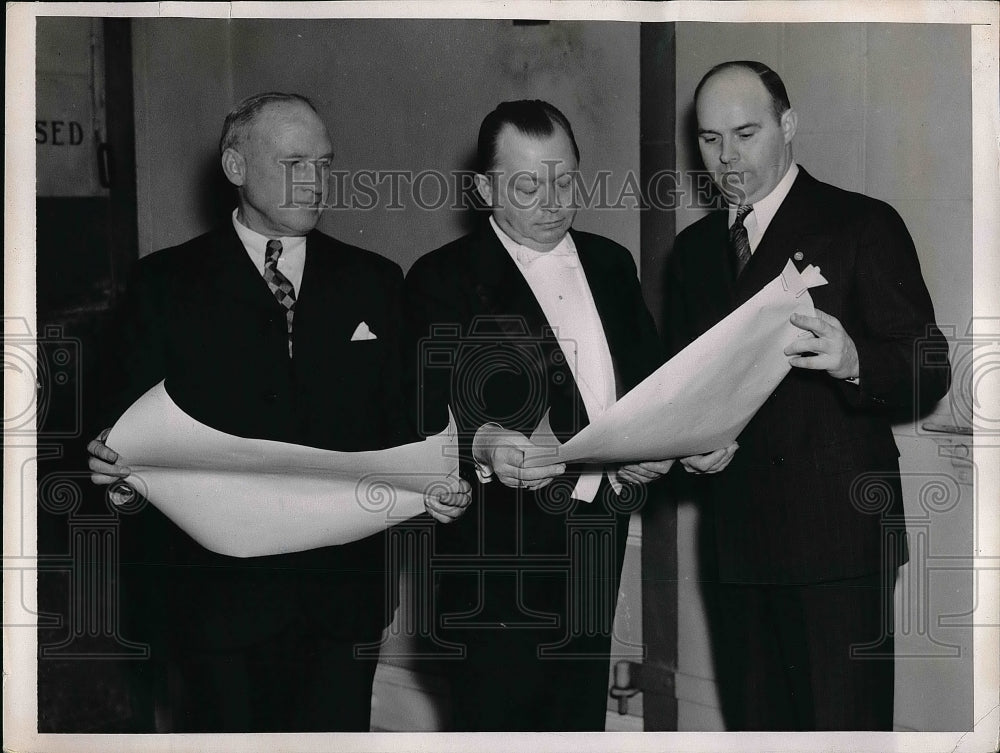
(522, 318)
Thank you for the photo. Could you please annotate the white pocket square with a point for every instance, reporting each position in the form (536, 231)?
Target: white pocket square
(363, 333)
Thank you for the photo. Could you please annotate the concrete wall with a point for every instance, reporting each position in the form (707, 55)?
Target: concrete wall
(396, 95)
(881, 114)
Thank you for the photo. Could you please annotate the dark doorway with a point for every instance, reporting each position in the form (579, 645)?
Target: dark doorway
(86, 241)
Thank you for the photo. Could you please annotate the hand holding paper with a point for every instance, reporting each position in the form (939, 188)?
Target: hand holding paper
(502, 452)
(448, 504)
(103, 461)
(644, 472)
(700, 400)
(830, 349)
(253, 497)
(710, 462)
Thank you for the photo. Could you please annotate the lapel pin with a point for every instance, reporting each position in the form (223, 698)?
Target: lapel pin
(797, 256)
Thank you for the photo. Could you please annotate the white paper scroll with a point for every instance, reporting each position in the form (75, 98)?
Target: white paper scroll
(252, 497)
(702, 398)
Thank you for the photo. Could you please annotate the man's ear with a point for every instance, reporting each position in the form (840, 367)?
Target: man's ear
(484, 187)
(789, 122)
(234, 166)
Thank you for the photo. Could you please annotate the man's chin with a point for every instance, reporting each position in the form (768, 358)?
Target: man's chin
(302, 220)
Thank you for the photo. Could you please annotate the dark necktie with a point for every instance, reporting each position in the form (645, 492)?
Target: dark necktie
(280, 285)
(738, 238)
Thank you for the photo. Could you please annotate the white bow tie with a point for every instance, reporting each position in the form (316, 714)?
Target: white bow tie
(560, 256)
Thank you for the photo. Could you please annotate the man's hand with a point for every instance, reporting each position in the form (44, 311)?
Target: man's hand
(643, 473)
(834, 349)
(446, 506)
(103, 460)
(502, 450)
(710, 462)
(104, 470)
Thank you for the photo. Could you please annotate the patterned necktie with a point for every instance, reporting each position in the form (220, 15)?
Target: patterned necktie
(738, 238)
(280, 285)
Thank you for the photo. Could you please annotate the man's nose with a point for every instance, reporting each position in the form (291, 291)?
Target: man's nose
(729, 153)
(555, 198)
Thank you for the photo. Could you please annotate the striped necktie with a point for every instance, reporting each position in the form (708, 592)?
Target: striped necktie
(280, 285)
(738, 238)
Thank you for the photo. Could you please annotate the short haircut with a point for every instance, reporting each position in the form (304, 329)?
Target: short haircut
(532, 117)
(241, 118)
(771, 80)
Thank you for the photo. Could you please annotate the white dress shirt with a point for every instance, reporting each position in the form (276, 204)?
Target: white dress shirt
(560, 286)
(293, 252)
(757, 221)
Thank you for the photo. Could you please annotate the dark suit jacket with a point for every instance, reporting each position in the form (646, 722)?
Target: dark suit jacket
(480, 343)
(200, 316)
(813, 492)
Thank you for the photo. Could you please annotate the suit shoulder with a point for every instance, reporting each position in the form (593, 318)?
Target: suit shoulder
(354, 254)
(180, 257)
(448, 260)
(360, 258)
(846, 206)
(598, 241)
(606, 251)
(701, 226)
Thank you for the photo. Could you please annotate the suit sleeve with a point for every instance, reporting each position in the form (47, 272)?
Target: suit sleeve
(677, 331)
(648, 340)
(135, 357)
(398, 429)
(426, 392)
(903, 355)
(434, 322)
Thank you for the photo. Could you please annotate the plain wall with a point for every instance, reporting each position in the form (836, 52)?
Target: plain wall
(884, 110)
(396, 95)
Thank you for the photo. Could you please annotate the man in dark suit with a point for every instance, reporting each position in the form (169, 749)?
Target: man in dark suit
(261, 329)
(521, 318)
(809, 527)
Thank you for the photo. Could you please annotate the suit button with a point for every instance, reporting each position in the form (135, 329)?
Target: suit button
(271, 397)
(777, 460)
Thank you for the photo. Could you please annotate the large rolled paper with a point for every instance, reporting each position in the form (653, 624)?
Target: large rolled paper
(253, 497)
(702, 398)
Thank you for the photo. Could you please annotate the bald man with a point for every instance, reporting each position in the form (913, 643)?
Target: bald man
(808, 517)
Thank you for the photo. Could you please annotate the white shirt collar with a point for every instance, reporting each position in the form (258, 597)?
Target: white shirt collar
(256, 244)
(524, 256)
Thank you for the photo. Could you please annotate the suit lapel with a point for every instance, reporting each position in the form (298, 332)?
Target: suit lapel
(325, 277)
(792, 232)
(230, 275)
(607, 300)
(504, 295)
(502, 289)
(716, 255)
